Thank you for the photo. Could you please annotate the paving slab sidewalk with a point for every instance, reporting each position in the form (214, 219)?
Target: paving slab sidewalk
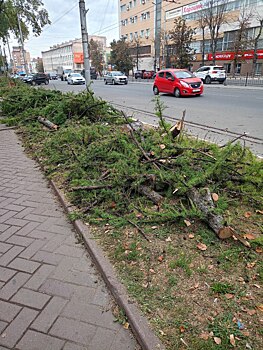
(51, 295)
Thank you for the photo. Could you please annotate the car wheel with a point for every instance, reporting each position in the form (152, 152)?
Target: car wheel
(105, 81)
(126, 83)
(221, 82)
(207, 80)
(155, 90)
(177, 92)
(33, 83)
(113, 82)
(68, 82)
(46, 82)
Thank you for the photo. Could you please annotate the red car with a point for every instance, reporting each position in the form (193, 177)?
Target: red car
(148, 74)
(179, 82)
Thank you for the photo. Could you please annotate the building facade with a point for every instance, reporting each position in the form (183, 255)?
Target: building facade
(138, 26)
(67, 55)
(18, 59)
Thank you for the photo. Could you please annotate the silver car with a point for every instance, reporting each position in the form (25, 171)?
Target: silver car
(115, 77)
(76, 78)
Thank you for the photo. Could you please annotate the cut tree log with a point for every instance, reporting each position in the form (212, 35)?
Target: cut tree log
(205, 204)
(151, 194)
(47, 123)
(90, 188)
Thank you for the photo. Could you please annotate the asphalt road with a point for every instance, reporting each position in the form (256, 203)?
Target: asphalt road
(221, 114)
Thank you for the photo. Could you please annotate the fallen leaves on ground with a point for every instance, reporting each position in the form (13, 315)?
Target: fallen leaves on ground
(249, 236)
(215, 197)
(217, 340)
(201, 246)
(232, 340)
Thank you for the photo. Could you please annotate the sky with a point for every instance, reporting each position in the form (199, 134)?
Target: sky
(102, 19)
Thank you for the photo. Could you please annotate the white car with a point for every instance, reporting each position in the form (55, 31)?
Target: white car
(76, 78)
(115, 77)
(211, 73)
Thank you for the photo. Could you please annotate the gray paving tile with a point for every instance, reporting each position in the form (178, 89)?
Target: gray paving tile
(17, 327)
(38, 341)
(30, 298)
(73, 330)
(8, 311)
(50, 313)
(24, 265)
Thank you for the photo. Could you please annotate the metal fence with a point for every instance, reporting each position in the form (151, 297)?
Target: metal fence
(245, 81)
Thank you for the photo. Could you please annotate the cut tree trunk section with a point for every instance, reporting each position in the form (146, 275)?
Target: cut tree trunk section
(47, 123)
(151, 194)
(205, 204)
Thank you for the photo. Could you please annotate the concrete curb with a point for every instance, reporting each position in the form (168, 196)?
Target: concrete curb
(139, 324)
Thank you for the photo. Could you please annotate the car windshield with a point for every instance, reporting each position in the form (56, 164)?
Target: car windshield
(76, 75)
(117, 73)
(183, 74)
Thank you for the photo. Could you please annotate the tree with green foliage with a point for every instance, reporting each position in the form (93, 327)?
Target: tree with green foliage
(31, 13)
(120, 56)
(181, 37)
(96, 55)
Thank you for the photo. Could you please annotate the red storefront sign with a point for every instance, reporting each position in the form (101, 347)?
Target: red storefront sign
(78, 57)
(229, 56)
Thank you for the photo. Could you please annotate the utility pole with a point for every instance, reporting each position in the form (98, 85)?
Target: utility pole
(22, 44)
(85, 43)
(157, 34)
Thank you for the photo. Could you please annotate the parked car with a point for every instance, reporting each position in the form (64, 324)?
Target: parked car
(53, 76)
(115, 77)
(179, 82)
(37, 79)
(65, 74)
(148, 74)
(211, 73)
(138, 74)
(25, 78)
(93, 73)
(76, 79)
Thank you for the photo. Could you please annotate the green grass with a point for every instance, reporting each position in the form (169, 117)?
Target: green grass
(222, 288)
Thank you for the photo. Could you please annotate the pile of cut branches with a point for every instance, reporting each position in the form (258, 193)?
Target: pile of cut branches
(143, 186)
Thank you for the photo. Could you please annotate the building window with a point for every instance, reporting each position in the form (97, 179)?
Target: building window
(123, 8)
(228, 41)
(258, 69)
(142, 33)
(134, 3)
(131, 36)
(147, 33)
(227, 67)
(238, 68)
(196, 46)
(145, 16)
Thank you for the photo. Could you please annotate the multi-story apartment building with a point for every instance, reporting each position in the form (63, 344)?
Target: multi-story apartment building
(138, 26)
(67, 55)
(18, 59)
